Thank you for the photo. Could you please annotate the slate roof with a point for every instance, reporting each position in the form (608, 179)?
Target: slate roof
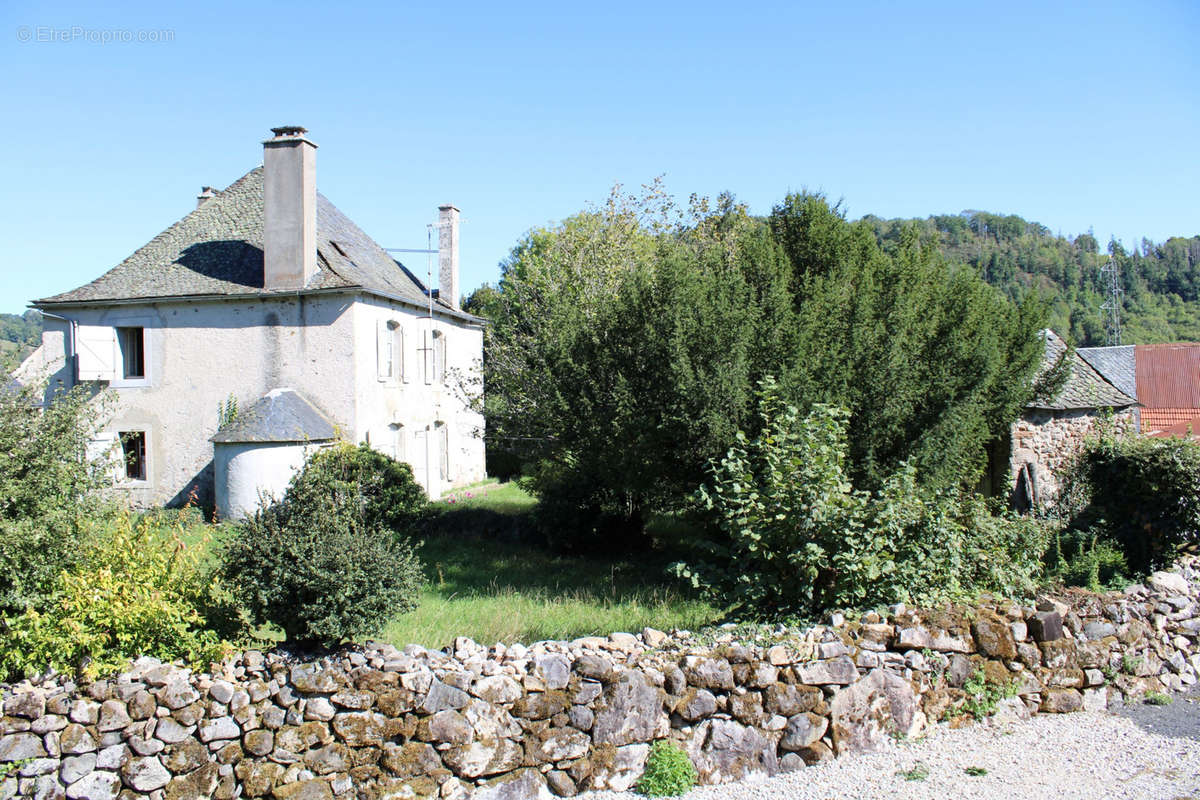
(1117, 364)
(281, 415)
(1085, 387)
(217, 250)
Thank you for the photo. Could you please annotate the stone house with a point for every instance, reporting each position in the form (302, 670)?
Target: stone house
(267, 294)
(1050, 430)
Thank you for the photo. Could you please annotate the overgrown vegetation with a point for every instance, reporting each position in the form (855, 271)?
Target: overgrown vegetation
(669, 771)
(797, 537)
(139, 590)
(319, 563)
(489, 578)
(48, 492)
(627, 343)
(1133, 503)
(983, 696)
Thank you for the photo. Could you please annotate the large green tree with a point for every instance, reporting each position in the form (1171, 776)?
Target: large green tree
(931, 362)
(626, 344)
(623, 350)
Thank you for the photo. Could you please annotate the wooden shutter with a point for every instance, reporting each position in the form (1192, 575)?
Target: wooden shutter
(383, 354)
(96, 353)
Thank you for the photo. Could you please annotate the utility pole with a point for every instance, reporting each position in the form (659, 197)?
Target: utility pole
(1110, 273)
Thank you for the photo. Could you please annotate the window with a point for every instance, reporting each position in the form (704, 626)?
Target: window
(132, 342)
(133, 452)
(389, 343)
(439, 356)
(443, 439)
(397, 435)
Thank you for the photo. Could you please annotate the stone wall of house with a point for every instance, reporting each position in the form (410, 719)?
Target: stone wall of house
(1045, 439)
(563, 717)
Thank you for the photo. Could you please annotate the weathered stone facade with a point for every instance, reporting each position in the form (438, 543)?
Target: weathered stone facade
(1044, 439)
(563, 717)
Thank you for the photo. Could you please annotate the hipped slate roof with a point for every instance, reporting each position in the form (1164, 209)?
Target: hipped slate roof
(1117, 364)
(1085, 387)
(281, 415)
(217, 250)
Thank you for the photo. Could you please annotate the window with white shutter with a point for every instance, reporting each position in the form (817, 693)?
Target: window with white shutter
(96, 353)
(439, 356)
(383, 350)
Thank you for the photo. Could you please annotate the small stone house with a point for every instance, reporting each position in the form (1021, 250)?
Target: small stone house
(1050, 430)
(267, 295)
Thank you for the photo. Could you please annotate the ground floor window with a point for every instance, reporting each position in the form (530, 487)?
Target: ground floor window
(133, 451)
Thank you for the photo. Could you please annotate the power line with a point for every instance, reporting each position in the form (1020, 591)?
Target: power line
(1111, 273)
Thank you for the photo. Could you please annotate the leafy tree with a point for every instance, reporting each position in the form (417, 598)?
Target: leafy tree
(623, 351)
(49, 490)
(931, 363)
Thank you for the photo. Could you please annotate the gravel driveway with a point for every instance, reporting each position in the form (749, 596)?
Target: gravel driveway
(1088, 756)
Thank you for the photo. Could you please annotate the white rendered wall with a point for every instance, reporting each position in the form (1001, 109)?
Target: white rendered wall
(414, 405)
(200, 353)
(247, 472)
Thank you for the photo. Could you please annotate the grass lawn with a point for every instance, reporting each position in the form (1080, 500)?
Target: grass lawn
(498, 590)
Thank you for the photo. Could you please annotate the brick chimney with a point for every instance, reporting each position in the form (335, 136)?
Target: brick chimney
(289, 209)
(448, 255)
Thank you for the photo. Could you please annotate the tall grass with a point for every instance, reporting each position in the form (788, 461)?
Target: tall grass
(500, 588)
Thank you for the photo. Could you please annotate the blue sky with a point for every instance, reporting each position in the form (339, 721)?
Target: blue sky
(1076, 115)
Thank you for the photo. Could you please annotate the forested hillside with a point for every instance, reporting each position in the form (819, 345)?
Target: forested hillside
(19, 335)
(1161, 280)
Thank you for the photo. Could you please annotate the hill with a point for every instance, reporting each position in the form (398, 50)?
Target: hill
(19, 335)
(1161, 281)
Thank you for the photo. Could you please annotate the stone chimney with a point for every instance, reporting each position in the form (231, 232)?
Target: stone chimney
(206, 193)
(448, 255)
(289, 209)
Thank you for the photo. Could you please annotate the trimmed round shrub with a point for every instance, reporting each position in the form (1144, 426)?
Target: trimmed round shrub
(384, 489)
(669, 771)
(320, 564)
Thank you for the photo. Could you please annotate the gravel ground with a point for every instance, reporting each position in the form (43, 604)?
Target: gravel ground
(1084, 756)
(1180, 719)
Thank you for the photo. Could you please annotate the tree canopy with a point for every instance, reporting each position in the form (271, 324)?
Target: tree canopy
(626, 344)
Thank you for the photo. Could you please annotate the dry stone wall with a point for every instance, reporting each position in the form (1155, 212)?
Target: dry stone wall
(557, 718)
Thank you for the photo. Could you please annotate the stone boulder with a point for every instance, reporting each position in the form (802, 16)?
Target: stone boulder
(723, 750)
(866, 713)
(630, 711)
(993, 636)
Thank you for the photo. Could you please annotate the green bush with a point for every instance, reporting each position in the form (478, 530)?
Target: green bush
(48, 491)
(384, 489)
(1142, 494)
(319, 563)
(795, 537)
(141, 591)
(1086, 558)
(669, 771)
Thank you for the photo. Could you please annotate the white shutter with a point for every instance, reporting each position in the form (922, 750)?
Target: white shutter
(96, 353)
(383, 347)
(427, 350)
(104, 451)
(439, 357)
(398, 354)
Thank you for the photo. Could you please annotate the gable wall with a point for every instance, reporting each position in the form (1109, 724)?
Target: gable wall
(198, 354)
(1046, 439)
(400, 416)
